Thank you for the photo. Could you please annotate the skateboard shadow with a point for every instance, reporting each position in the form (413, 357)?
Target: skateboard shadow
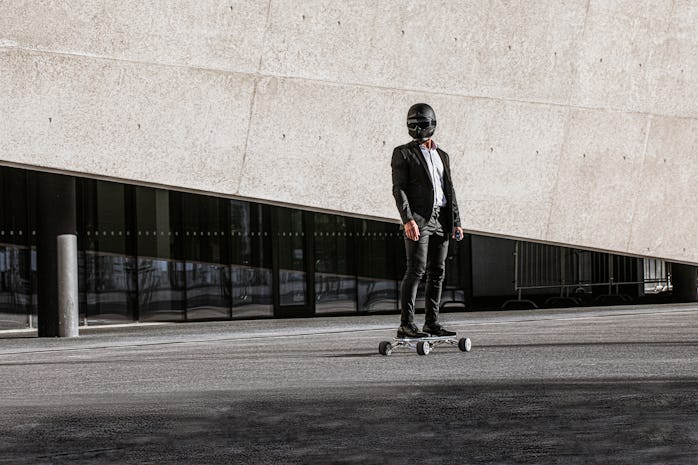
(361, 355)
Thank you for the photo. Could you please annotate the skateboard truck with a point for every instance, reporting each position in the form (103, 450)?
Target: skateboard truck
(423, 345)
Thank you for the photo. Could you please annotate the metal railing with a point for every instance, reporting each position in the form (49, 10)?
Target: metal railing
(576, 271)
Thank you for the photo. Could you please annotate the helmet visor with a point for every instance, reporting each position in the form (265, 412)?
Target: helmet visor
(420, 124)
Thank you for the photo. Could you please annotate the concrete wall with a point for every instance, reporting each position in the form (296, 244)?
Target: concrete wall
(570, 122)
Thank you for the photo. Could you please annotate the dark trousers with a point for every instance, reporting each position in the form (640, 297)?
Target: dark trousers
(427, 255)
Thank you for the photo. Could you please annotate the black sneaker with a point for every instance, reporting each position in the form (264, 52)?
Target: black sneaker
(410, 330)
(437, 330)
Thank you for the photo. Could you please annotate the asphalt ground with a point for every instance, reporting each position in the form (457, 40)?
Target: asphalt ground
(613, 385)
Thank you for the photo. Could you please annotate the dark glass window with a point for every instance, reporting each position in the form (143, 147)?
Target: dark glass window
(17, 309)
(380, 264)
(108, 277)
(161, 275)
(14, 224)
(17, 276)
(156, 255)
(335, 270)
(250, 258)
(203, 243)
(292, 259)
(456, 291)
(204, 224)
(102, 216)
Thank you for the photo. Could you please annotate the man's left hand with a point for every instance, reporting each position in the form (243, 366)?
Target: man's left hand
(457, 233)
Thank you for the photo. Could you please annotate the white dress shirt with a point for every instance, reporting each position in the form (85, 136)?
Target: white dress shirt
(436, 171)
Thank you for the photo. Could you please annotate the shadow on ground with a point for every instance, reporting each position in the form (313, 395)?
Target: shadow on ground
(608, 422)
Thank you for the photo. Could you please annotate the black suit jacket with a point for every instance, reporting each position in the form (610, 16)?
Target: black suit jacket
(414, 191)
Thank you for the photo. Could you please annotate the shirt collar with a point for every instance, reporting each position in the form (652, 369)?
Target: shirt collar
(434, 145)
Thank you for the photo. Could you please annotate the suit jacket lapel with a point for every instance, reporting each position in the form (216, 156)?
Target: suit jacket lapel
(418, 153)
(447, 169)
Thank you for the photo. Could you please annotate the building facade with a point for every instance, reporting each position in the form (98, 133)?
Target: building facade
(231, 159)
(148, 254)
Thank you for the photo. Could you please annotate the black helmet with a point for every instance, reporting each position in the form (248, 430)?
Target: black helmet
(421, 121)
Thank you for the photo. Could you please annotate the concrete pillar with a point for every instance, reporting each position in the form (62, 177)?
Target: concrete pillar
(684, 279)
(55, 197)
(67, 259)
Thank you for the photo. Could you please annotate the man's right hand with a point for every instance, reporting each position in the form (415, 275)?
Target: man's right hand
(412, 230)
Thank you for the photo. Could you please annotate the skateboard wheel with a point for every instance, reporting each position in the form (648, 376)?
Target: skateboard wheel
(464, 344)
(385, 348)
(423, 347)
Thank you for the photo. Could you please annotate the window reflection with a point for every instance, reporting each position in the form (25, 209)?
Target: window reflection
(292, 287)
(207, 291)
(377, 295)
(107, 266)
(203, 221)
(292, 267)
(108, 287)
(251, 291)
(250, 257)
(380, 263)
(156, 255)
(161, 289)
(17, 269)
(335, 273)
(16, 303)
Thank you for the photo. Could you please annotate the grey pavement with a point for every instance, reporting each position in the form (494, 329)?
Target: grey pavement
(588, 385)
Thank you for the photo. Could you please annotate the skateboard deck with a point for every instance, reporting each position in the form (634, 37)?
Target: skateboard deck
(423, 345)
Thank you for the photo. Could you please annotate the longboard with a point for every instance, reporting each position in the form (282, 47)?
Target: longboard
(423, 345)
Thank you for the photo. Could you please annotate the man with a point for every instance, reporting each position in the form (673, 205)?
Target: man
(424, 195)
